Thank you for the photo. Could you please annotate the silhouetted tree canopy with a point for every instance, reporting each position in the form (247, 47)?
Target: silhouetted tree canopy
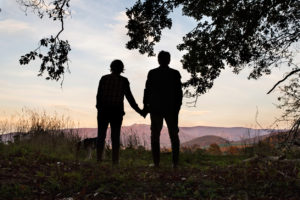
(238, 33)
(55, 60)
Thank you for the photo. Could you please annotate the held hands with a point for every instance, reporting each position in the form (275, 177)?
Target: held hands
(143, 112)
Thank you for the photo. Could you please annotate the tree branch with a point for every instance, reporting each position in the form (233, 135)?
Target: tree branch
(55, 61)
(61, 18)
(291, 73)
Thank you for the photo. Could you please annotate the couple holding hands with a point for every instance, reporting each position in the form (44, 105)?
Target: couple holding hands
(162, 99)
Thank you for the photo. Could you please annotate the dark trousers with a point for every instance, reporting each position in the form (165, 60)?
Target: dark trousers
(115, 121)
(156, 126)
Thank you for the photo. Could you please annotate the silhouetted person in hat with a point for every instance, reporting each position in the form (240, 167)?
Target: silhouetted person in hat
(163, 99)
(110, 104)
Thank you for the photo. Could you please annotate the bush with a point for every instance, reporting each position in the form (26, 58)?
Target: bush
(232, 150)
(214, 149)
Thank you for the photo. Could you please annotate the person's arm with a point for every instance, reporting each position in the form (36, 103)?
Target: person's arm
(146, 98)
(130, 98)
(98, 97)
(178, 89)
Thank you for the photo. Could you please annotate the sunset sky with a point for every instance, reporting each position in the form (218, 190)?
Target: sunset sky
(97, 34)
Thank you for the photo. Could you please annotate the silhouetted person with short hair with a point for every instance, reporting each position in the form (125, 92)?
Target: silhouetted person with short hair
(163, 99)
(110, 104)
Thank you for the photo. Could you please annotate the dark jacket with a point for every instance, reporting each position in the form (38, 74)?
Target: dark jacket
(111, 91)
(163, 93)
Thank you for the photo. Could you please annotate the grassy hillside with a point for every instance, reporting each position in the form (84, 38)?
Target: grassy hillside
(46, 167)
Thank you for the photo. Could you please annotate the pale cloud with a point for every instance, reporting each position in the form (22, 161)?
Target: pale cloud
(193, 113)
(121, 17)
(11, 26)
(104, 44)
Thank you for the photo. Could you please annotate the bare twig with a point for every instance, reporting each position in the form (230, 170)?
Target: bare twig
(61, 16)
(256, 118)
(282, 80)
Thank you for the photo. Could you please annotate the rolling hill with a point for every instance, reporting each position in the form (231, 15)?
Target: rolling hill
(204, 141)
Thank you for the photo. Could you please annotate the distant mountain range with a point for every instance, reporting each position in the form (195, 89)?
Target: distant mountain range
(139, 134)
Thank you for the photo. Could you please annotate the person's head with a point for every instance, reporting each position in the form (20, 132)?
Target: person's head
(164, 58)
(117, 67)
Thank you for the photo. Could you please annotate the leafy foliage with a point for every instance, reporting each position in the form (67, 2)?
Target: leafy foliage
(146, 20)
(290, 101)
(237, 33)
(55, 61)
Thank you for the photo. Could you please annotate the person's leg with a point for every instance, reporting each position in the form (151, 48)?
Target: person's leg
(102, 128)
(115, 125)
(156, 126)
(172, 123)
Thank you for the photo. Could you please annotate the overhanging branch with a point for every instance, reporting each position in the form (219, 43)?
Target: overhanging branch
(291, 73)
(55, 60)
